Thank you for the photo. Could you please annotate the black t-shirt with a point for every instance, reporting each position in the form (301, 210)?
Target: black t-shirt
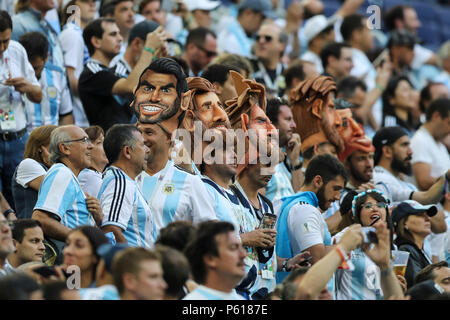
(101, 106)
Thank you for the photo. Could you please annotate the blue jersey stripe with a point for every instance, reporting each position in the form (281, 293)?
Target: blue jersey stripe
(53, 101)
(170, 207)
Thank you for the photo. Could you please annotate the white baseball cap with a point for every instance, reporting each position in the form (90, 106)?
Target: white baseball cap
(314, 26)
(202, 5)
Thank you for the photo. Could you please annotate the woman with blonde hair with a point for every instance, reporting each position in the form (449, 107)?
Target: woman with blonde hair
(31, 170)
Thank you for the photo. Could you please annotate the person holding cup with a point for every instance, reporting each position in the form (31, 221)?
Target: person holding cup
(363, 280)
(412, 226)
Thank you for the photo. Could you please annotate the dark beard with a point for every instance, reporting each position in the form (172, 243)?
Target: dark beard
(356, 175)
(399, 166)
(321, 197)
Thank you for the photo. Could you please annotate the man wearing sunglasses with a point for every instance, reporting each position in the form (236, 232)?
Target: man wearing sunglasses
(271, 42)
(201, 48)
(62, 205)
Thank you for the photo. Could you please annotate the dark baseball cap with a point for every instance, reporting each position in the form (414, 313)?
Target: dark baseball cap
(425, 290)
(409, 207)
(386, 136)
(263, 6)
(108, 251)
(402, 37)
(141, 29)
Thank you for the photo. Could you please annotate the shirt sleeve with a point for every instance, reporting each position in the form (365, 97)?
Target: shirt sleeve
(419, 147)
(305, 227)
(66, 106)
(27, 171)
(57, 192)
(98, 83)
(202, 203)
(72, 45)
(117, 203)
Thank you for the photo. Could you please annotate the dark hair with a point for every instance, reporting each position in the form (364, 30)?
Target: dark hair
(425, 96)
(205, 244)
(5, 21)
(17, 286)
(94, 132)
(332, 50)
(273, 108)
(348, 85)
(108, 7)
(441, 105)
(294, 71)
(168, 66)
(218, 73)
(427, 273)
(177, 234)
(94, 29)
(234, 60)
(20, 225)
(118, 136)
(198, 35)
(395, 13)
(176, 270)
(141, 29)
(53, 290)
(36, 45)
(326, 166)
(144, 3)
(389, 93)
(351, 23)
(183, 64)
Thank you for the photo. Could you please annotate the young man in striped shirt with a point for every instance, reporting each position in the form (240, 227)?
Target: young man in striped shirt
(126, 213)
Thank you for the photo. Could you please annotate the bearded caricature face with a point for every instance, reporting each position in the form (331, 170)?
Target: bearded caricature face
(352, 134)
(315, 114)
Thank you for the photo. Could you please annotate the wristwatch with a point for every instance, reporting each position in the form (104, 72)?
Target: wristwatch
(284, 266)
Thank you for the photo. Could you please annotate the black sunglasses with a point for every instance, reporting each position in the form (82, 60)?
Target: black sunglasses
(208, 53)
(266, 38)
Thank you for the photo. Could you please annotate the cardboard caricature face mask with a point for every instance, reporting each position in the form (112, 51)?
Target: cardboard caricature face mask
(156, 101)
(314, 112)
(352, 134)
(247, 112)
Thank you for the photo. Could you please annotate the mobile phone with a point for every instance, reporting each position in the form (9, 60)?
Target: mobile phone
(268, 221)
(369, 234)
(304, 263)
(46, 271)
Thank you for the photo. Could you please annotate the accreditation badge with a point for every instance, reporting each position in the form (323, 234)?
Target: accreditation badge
(7, 120)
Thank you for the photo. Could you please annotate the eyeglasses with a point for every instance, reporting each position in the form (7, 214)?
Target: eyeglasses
(208, 53)
(370, 205)
(266, 38)
(85, 140)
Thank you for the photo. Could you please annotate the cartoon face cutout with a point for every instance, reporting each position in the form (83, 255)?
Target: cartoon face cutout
(156, 100)
(352, 134)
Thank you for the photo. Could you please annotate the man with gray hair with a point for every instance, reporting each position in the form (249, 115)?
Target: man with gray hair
(127, 214)
(62, 204)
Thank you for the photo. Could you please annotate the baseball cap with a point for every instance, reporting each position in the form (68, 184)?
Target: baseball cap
(409, 207)
(314, 26)
(385, 137)
(108, 252)
(263, 6)
(402, 37)
(206, 5)
(141, 29)
(425, 290)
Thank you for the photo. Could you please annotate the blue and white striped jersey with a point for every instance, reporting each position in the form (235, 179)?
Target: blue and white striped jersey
(124, 206)
(106, 292)
(174, 194)
(363, 283)
(60, 193)
(280, 185)
(56, 99)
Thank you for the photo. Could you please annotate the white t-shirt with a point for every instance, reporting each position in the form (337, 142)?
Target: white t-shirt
(205, 293)
(90, 181)
(14, 62)
(426, 149)
(306, 227)
(421, 55)
(314, 58)
(28, 170)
